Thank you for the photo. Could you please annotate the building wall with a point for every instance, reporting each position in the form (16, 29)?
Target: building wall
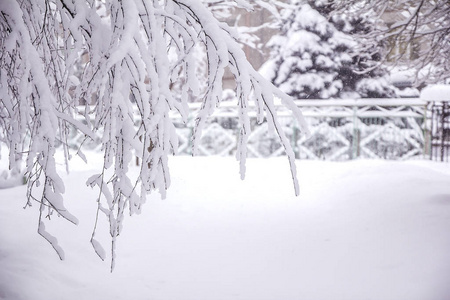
(255, 19)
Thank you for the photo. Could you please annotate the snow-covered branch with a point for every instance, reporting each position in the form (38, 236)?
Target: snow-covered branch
(115, 56)
(402, 25)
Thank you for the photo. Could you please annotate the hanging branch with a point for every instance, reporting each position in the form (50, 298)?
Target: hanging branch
(120, 58)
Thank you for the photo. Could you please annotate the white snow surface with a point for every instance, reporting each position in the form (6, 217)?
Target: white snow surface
(436, 92)
(359, 230)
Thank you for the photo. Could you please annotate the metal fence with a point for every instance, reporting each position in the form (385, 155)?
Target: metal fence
(340, 130)
(439, 131)
(395, 129)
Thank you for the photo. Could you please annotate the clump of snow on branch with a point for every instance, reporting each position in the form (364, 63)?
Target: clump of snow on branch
(122, 59)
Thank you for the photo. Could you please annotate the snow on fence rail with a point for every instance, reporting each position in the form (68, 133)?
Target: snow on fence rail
(340, 130)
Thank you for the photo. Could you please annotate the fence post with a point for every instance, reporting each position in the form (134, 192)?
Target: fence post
(356, 134)
(426, 133)
(445, 114)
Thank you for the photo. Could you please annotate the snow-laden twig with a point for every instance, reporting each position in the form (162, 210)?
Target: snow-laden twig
(131, 62)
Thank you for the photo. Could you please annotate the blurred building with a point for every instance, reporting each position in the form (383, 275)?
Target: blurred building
(256, 21)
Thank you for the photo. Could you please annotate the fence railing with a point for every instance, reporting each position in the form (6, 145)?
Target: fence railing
(340, 130)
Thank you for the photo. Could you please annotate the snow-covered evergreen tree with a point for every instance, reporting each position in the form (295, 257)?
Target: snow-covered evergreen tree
(312, 56)
(131, 53)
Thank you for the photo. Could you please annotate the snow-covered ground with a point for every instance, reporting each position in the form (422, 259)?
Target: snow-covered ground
(359, 230)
